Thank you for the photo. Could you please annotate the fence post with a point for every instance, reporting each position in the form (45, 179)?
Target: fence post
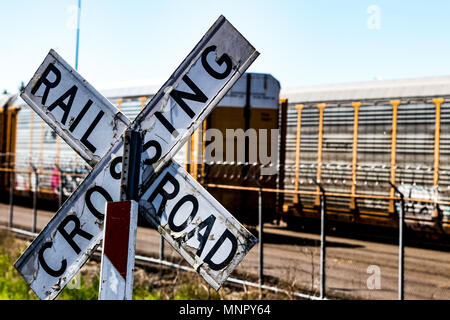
(260, 236)
(161, 248)
(322, 244)
(35, 194)
(401, 254)
(61, 187)
(323, 239)
(11, 197)
(401, 245)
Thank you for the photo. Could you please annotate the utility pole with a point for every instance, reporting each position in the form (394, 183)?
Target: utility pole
(78, 34)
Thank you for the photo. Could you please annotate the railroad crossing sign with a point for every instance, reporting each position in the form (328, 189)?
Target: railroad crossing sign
(188, 217)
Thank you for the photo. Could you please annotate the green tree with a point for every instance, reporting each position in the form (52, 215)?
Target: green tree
(22, 87)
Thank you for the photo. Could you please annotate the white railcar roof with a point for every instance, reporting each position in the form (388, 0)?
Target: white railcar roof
(370, 90)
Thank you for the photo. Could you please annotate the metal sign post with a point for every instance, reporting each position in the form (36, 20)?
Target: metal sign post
(209, 237)
(323, 239)
(11, 197)
(35, 197)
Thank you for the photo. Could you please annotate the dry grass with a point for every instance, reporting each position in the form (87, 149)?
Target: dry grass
(150, 281)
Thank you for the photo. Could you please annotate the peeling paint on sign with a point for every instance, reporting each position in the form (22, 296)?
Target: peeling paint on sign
(211, 240)
(75, 231)
(71, 107)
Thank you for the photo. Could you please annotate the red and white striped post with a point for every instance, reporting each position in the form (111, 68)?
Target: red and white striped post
(120, 226)
(119, 239)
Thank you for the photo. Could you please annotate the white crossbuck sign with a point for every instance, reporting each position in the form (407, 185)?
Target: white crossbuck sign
(189, 218)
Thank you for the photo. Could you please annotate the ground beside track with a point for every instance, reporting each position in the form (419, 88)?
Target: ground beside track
(293, 257)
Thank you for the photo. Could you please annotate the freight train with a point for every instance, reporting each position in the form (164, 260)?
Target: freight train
(363, 144)
(367, 144)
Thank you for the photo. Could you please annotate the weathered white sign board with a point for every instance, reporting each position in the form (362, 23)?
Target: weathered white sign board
(211, 240)
(85, 119)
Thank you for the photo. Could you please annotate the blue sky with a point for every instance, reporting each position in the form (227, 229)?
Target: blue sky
(126, 43)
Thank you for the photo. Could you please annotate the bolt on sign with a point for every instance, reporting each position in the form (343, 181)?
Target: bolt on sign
(193, 222)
